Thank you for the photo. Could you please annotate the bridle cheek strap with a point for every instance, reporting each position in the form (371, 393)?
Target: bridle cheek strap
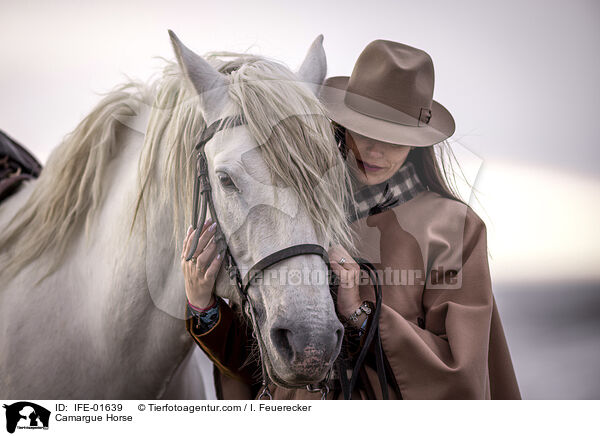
(202, 183)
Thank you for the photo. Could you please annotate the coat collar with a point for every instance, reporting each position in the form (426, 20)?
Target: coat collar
(403, 186)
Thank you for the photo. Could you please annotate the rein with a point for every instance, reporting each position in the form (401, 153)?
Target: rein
(372, 334)
(203, 203)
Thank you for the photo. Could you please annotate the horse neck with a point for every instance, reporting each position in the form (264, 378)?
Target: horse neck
(131, 274)
(112, 294)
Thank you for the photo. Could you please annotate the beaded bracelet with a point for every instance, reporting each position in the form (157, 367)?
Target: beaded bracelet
(362, 308)
(351, 328)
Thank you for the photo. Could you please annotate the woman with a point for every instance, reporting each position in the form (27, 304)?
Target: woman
(440, 330)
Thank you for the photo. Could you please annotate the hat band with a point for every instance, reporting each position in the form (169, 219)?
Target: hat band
(374, 109)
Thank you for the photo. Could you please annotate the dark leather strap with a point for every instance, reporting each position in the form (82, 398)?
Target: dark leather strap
(372, 334)
(217, 126)
(278, 256)
(201, 181)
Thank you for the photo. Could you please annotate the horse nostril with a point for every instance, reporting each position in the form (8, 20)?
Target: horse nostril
(281, 338)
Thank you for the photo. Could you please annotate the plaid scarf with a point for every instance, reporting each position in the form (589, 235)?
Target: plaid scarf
(373, 199)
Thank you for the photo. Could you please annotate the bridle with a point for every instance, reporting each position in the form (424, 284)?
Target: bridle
(203, 202)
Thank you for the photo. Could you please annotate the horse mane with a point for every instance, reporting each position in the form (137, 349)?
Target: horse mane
(295, 138)
(69, 188)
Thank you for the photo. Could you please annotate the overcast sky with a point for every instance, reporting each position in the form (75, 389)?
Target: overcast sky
(519, 77)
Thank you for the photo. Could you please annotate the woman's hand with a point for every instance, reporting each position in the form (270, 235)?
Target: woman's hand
(348, 298)
(201, 271)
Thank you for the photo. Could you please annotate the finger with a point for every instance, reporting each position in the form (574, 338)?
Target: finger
(351, 265)
(191, 238)
(336, 267)
(339, 250)
(333, 250)
(213, 269)
(348, 279)
(186, 242)
(347, 276)
(185, 267)
(207, 223)
(349, 262)
(204, 258)
(207, 233)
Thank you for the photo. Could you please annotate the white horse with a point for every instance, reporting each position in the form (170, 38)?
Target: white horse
(92, 298)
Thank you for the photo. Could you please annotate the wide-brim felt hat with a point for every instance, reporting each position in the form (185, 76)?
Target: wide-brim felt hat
(389, 97)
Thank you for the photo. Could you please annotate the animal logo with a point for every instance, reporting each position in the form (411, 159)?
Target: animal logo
(24, 414)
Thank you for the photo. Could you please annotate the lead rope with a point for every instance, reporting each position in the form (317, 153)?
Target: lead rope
(255, 333)
(248, 309)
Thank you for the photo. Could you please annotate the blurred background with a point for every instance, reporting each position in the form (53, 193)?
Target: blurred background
(520, 79)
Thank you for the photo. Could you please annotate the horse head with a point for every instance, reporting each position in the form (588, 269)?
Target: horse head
(276, 181)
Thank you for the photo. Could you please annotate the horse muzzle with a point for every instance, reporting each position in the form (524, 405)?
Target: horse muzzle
(303, 354)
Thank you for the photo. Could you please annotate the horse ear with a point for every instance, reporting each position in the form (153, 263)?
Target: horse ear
(314, 67)
(208, 82)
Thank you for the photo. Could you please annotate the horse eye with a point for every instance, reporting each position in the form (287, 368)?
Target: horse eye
(226, 181)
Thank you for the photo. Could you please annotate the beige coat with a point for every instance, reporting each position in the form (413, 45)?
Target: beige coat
(440, 328)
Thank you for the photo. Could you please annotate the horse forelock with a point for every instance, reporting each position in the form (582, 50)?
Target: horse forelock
(283, 116)
(296, 141)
